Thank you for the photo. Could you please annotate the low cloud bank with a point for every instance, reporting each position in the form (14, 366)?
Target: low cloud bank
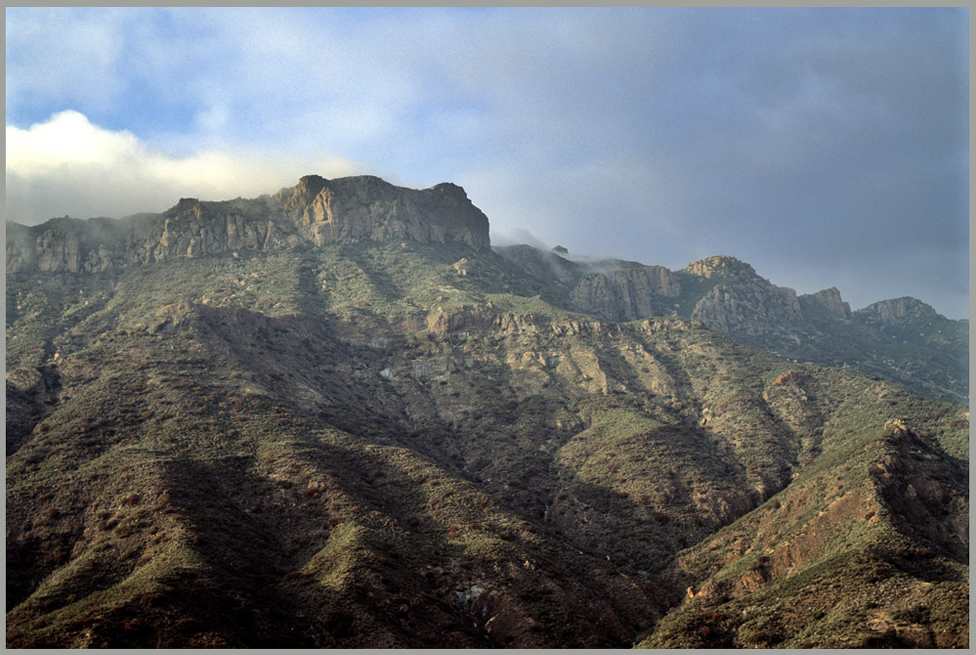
(68, 165)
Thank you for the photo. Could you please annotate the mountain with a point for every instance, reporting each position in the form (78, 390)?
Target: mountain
(337, 417)
(902, 339)
(315, 211)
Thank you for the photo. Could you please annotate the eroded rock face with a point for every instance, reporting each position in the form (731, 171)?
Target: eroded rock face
(720, 266)
(63, 245)
(627, 294)
(897, 310)
(747, 306)
(196, 229)
(903, 337)
(614, 289)
(368, 208)
(315, 211)
(829, 301)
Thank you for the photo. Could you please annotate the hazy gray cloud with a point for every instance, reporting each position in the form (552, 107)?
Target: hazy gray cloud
(825, 146)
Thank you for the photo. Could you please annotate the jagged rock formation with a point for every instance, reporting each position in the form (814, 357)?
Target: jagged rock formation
(613, 289)
(928, 351)
(898, 310)
(627, 293)
(723, 267)
(826, 300)
(903, 339)
(739, 302)
(368, 208)
(368, 428)
(315, 211)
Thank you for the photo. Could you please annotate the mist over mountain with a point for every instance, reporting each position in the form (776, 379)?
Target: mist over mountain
(338, 415)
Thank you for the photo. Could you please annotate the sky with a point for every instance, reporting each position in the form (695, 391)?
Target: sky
(826, 147)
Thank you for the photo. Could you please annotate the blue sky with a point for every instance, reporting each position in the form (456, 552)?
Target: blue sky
(828, 147)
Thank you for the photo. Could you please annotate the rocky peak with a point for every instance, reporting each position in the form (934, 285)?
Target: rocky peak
(830, 301)
(450, 189)
(720, 266)
(625, 291)
(366, 207)
(188, 207)
(739, 302)
(185, 204)
(896, 310)
(316, 210)
(312, 183)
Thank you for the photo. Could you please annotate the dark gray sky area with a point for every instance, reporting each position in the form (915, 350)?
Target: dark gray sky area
(827, 147)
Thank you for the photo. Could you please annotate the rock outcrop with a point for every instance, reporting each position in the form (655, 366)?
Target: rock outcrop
(741, 302)
(64, 245)
(316, 211)
(896, 310)
(190, 229)
(720, 266)
(613, 289)
(903, 338)
(369, 208)
(628, 293)
(826, 301)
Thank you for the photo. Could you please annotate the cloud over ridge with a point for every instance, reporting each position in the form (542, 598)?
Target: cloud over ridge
(68, 165)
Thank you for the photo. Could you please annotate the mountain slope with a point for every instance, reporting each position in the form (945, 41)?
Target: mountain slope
(902, 339)
(410, 442)
(868, 548)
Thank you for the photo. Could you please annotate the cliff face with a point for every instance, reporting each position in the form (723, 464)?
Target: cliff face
(315, 211)
(190, 229)
(902, 339)
(62, 245)
(616, 290)
(720, 266)
(826, 301)
(368, 208)
(626, 294)
(741, 302)
(896, 310)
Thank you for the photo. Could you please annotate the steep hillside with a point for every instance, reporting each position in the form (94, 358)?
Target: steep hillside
(868, 547)
(399, 437)
(903, 340)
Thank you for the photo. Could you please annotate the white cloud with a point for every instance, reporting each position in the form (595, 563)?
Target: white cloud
(68, 165)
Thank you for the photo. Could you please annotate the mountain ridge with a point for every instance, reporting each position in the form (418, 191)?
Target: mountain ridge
(432, 442)
(309, 187)
(725, 293)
